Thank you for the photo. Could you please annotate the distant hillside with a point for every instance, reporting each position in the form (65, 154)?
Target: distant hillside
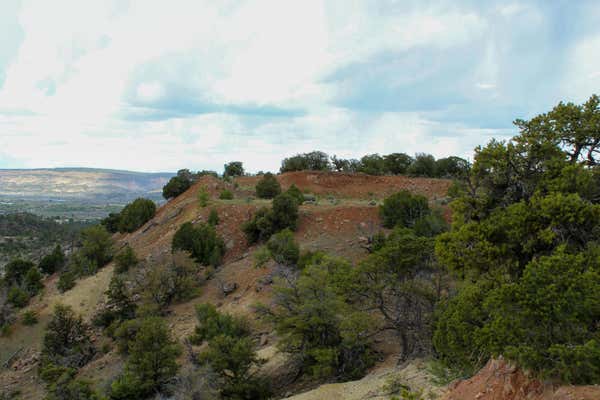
(30, 236)
(81, 184)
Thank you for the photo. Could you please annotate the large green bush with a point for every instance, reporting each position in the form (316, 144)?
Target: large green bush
(317, 323)
(524, 238)
(201, 241)
(403, 209)
(265, 222)
(151, 364)
(212, 323)
(97, 245)
(268, 186)
(295, 193)
(136, 214)
(66, 341)
(230, 354)
(235, 362)
(176, 186)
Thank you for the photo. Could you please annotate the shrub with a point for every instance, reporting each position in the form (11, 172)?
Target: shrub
(176, 186)
(226, 195)
(542, 320)
(136, 214)
(431, 225)
(111, 223)
(119, 299)
(125, 333)
(81, 265)
(318, 325)
(97, 245)
(283, 248)
(212, 323)
(151, 364)
(310, 258)
(403, 282)
(66, 341)
(235, 361)
(202, 242)
(404, 209)
(66, 387)
(457, 326)
(15, 271)
(294, 192)
(32, 282)
(29, 318)
(268, 187)
(203, 197)
(545, 320)
(174, 278)
(260, 227)
(284, 214)
(52, 262)
(125, 259)
(18, 297)
(213, 217)
(66, 281)
(234, 168)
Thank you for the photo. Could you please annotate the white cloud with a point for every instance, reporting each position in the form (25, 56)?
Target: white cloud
(151, 85)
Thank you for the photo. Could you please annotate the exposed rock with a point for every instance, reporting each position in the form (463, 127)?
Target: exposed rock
(264, 339)
(228, 288)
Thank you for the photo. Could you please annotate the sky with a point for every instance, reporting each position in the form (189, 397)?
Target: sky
(162, 85)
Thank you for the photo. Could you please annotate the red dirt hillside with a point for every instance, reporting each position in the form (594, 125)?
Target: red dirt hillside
(358, 186)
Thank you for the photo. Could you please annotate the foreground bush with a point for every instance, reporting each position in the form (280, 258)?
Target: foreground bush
(230, 354)
(151, 364)
(66, 341)
(318, 325)
(235, 361)
(525, 243)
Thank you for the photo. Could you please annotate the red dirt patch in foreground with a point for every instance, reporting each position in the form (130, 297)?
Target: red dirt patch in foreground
(500, 380)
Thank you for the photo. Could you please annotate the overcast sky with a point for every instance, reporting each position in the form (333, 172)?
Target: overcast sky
(162, 85)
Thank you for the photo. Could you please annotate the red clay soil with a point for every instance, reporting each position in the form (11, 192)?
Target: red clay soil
(499, 380)
(358, 186)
